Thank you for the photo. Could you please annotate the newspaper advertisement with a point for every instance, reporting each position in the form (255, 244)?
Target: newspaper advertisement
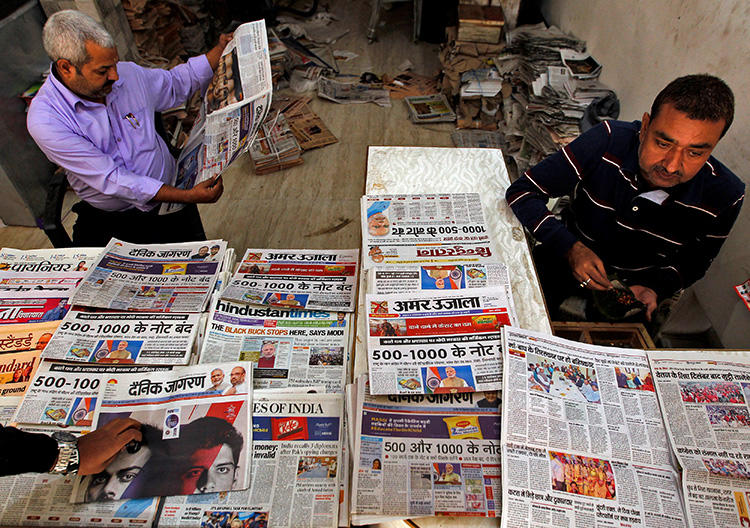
(705, 395)
(425, 343)
(124, 337)
(41, 499)
(424, 455)
(296, 278)
(152, 278)
(424, 228)
(66, 394)
(195, 437)
(288, 347)
(295, 471)
(31, 336)
(583, 439)
(415, 277)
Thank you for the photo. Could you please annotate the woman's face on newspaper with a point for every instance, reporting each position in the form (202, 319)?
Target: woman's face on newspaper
(211, 469)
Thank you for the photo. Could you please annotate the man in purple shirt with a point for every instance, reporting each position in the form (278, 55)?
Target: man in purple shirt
(94, 116)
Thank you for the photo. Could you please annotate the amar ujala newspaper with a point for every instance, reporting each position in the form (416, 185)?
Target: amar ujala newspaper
(195, 423)
(429, 342)
(288, 347)
(424, 228)
(152, 278)
(296, 278)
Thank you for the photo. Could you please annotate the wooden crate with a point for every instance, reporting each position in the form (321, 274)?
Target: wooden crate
(625, 335)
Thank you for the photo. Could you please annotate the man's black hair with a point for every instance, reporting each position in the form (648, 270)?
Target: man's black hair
(208, 432)
(700, 96)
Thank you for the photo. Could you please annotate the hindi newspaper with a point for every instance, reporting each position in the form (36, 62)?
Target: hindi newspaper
(30, 336)
(423, 455)
(235, 104)
(124, 337)
(153, 278)
(288, 347)
(295, 471)
(41, 499)
(195, 432)
(296, 278)
(704, 396)
(424, 228)
(425, 343)
(415, 277)
(580, 446)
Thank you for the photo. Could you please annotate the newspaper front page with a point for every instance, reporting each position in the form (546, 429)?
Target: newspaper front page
(288, 347)
(235, 104)
(705, 395)
(31, 336)
(41, 499)
(424, 455)
(195, 436)
(152, 278)
(296, 278)
(424, 343)
(583, 439)
(295, 471)
(423, 228)
(124, 337)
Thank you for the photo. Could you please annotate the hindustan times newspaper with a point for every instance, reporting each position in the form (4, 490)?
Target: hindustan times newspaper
(295, 471)
(288, 347)
(436, 342)
(423, 228)
(424, 455)
(195, 436)
(296, 278)
(583, 439)
(704, 396)
(124, 337)
(152, 278)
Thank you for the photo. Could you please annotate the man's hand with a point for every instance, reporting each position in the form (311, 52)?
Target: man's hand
(586, 265)
(214, 54)
(647, 296)
(205, 192)
(97, 449)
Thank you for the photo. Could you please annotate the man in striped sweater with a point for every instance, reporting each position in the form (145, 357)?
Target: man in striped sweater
(648, 201)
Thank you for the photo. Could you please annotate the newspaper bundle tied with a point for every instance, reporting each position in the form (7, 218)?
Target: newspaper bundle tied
(152, 278)
(296, 278)
(436, 342)
(424, 228)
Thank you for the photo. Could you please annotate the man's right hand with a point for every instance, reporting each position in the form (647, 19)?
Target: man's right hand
(97, 449)
(208, 191)
(585, 265)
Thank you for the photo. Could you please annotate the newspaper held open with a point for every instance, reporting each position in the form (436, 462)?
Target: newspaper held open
(124, 337)
(424, 343)
(288, 348)
(295, 471)
(152, 278)
(296, 278)
(423, 228)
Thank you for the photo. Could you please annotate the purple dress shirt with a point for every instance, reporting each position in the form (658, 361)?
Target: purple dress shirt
(111, 152)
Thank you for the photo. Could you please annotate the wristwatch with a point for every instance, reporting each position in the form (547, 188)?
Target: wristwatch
(67, 456)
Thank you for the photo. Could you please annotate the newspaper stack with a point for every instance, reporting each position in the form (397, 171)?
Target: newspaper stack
(275, 148)
(352, 91)
(429, 109)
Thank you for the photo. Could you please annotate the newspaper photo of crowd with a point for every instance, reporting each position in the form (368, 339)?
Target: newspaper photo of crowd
(225, 519)
(326, 356)
(634, 378)
(726, 468)
(564, 380)
(317, 467)
(389, 327)
(711, 392)
(581, 475)
(728, 415)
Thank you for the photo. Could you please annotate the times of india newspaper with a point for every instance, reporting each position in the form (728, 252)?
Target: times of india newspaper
(296, 468)
(583, 439)
(296, 278)
(423, 228)
(436, 342)
(152, 278)
(288, 347)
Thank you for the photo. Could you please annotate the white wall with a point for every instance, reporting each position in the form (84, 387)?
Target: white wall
(644, 44)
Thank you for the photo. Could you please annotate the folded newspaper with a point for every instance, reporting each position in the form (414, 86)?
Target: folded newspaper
(423, 228)
(152, 278)
(195, 433)
(296, 278)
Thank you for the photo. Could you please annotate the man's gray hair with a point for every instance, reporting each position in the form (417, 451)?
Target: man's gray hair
(65, 34)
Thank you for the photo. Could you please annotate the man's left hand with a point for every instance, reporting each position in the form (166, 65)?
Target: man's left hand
(214, 54)
(647, 296)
